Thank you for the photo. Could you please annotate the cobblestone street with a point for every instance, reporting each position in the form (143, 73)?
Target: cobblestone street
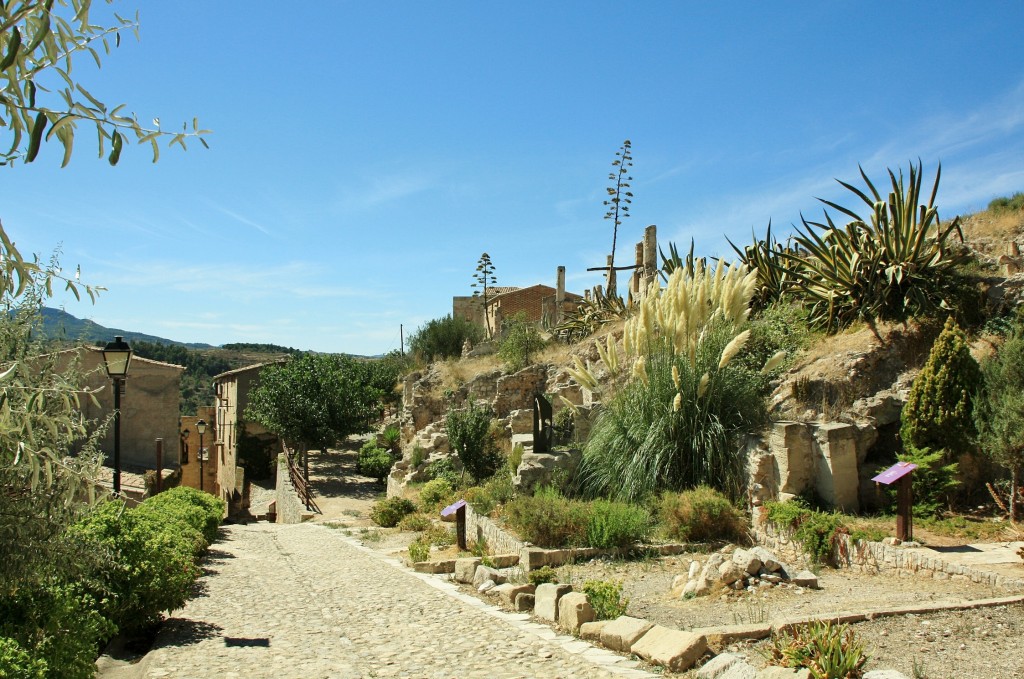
(305, 601)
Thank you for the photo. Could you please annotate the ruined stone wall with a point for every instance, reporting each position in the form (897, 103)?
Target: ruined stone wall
(498, 540)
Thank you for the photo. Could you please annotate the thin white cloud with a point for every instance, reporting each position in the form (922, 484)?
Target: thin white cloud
(385, 188)
(240, 218)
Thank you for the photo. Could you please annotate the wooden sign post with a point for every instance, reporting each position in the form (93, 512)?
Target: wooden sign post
(900, 472)
(459, 510)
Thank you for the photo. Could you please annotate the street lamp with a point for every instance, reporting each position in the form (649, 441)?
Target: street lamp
(117, 356)
(201, 428)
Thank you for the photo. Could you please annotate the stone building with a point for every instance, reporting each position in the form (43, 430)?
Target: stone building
(542, 304)
(149, 407)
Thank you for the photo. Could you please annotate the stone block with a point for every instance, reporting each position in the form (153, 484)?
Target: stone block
(524, 602)
(435, 567)
(747, 560)
(620, 634)
(532, 558)
(465, 569)
(510, 592)
(836, 479)
(740, 670)
(573, 610)
(730, 571)
(722, 636)
(774, 672)
(546, 602)
(504, 560)
(769, 562)
(502, 591)
(805, 579)
(485, 573)
(715, 667)
(672, 649)
(591, 631)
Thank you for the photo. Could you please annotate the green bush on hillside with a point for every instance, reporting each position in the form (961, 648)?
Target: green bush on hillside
(700, 515)
(443, 338)
(1014, 203)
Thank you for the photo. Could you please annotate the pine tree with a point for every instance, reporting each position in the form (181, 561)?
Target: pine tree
(999, 411)
(937, 420)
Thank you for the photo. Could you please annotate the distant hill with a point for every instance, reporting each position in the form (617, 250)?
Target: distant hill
(60, 325)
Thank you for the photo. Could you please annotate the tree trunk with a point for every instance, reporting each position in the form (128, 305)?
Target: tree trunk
(1014, 478)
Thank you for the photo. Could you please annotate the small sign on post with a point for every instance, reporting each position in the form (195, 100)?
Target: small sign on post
(900, 472)
(459, 510)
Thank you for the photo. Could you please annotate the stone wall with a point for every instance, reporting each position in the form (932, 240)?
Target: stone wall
(498, 540)
(289, 507)
(879, 558)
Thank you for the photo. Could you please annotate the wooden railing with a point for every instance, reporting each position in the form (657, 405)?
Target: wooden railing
(303, 489)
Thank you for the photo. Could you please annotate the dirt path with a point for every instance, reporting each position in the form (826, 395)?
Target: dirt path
(342, 493)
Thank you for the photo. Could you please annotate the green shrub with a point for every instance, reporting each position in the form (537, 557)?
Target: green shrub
(436, 493)
(547, 519)
(700, 515)
(197, 509)
(16, 663)
(616, 524)
(440, 535)
(389, 512)
(515, 458)
(419, 550)
(521, 341)
(605, 597)
(543, 575)
(417, 457)
(443, 469)
(58, 625)
(376, 464)
(500, 486)
(480, 500)
(443, 338)
(415, 523)
(828, 651)
(391, 437)
(818, 532)
(1014, 203)
(937, 423)
(469, 435)
(150, 563)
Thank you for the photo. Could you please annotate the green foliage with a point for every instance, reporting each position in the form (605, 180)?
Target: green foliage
(774, 269)
(374, 461)
(436, 493)
(480, 500)
(440, 535)
(58, 628)
(16, 663)
(590, 316)
(389, 512)
(443, 468)
(818, 532)
(778, 327)
(605, 596)
(700, 515)
(443, 338)
(1014, 203)
(415, 523)
(547, 519)
(937, 421)
(419, 550)
(391, 437)
(647, 439)
(899, 263)
(42, 38)
(315, 399)
(616, 525)
(829, 651)
(521, 340)
(201, 511)
(417, 457)
(542, 576)
(999, 410)
(468, 434)
(150, 562)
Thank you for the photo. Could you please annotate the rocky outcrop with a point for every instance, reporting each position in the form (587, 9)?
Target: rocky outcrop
(538, 469)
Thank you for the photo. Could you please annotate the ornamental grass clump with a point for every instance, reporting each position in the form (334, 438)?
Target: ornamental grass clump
(678, 418)
(700, 515)
(827, 650)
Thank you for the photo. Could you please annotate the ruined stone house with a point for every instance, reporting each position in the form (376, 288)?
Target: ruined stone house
(542, 304)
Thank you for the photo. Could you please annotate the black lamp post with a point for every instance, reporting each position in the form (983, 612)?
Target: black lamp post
(117, 356)
(201, 428)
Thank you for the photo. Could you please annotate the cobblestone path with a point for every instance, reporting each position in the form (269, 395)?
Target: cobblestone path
(304, 601)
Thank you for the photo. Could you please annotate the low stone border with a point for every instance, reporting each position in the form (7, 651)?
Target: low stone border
(876, 557)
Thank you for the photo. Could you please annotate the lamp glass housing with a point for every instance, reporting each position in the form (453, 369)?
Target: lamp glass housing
(117, 356)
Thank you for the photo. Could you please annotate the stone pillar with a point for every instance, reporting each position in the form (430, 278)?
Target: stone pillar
(650, 255)
(636, 280)
(837, 479)
(559, 294)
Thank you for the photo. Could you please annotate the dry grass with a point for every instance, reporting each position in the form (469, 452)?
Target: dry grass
(993, 226)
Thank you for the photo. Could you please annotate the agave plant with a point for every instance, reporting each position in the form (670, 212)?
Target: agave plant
(897, 263)
(674, 261)
(774, 271)
(590, 315)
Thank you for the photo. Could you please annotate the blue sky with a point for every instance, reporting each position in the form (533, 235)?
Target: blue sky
(365, 154)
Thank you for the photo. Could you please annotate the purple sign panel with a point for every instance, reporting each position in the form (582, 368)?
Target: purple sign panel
(895, 472)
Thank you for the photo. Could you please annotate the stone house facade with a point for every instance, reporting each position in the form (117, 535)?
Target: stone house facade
(539, 302)
(149, 407)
